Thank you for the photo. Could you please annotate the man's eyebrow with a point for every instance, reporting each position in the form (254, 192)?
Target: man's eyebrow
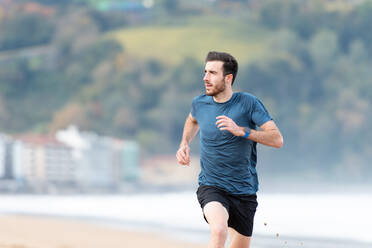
(205, 70)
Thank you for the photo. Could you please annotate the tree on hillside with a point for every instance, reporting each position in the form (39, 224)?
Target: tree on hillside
(172, 7)
(24, 30)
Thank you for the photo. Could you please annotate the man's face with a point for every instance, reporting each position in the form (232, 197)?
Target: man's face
(214, 79)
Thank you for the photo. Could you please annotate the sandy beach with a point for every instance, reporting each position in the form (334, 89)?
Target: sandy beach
(47, 232)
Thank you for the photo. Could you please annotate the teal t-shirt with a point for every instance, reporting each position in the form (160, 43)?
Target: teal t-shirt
(228, 161)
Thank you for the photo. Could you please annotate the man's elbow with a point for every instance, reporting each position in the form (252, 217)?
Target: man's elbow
(279, 141)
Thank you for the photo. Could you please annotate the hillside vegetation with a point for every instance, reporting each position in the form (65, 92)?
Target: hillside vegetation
(171, 44)
(133, 73)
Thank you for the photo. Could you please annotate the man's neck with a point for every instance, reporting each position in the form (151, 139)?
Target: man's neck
(223, 96)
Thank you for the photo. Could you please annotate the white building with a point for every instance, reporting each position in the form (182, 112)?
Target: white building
(6, 165)
(18, 158)
(42, 159)
(100, 161)
(71, 158)
(2, 155)
(129, 161)
(93, 157)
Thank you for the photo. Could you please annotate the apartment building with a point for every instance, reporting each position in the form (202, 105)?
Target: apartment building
(42, 159)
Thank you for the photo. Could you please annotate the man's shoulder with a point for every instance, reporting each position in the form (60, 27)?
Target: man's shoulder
(245, 96)
(201, 98)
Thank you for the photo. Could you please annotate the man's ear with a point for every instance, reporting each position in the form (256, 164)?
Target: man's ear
(229, 78)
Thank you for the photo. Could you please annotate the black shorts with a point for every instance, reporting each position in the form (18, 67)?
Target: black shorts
(241, 208)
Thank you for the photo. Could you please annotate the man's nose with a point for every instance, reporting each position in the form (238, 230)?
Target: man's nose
(206, 77)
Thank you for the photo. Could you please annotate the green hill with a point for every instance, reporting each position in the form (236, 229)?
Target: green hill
(195, 38)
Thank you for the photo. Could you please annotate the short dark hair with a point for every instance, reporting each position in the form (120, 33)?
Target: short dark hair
(230, 65)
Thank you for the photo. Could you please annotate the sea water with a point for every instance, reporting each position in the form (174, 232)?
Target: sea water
(280, 218)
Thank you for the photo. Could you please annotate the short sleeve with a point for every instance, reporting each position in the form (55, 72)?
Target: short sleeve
(193, 108)
(259, 113)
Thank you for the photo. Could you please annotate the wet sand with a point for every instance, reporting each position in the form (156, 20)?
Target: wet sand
(48, 232)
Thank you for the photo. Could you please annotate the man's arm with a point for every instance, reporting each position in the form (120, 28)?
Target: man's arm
(269, 135)
(189, 131)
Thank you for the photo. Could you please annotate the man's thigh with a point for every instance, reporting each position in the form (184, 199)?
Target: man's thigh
(215, 213)
(238, 240)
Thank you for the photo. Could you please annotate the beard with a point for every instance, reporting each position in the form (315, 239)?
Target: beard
(216, 89)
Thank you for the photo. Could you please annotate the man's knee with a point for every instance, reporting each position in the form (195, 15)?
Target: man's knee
(219, 230)
(217, 216)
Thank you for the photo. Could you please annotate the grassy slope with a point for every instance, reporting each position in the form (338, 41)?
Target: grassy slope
(194, 39)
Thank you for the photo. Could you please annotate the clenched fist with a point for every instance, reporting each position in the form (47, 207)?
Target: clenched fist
(183, 155)
(225, 123)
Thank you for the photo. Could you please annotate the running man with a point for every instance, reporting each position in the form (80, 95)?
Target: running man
(227, 122)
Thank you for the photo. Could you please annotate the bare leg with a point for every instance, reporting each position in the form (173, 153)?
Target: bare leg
(238, 240)
(217, 217)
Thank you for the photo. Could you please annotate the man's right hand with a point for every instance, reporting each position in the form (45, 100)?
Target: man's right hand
(183, 155)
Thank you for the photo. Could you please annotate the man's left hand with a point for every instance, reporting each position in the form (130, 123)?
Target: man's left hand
(226, 123)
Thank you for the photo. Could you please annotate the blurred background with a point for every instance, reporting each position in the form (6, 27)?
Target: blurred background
(94, 95)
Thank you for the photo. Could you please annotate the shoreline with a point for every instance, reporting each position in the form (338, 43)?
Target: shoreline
(48, 232)
(285, 215)
(75, 232)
